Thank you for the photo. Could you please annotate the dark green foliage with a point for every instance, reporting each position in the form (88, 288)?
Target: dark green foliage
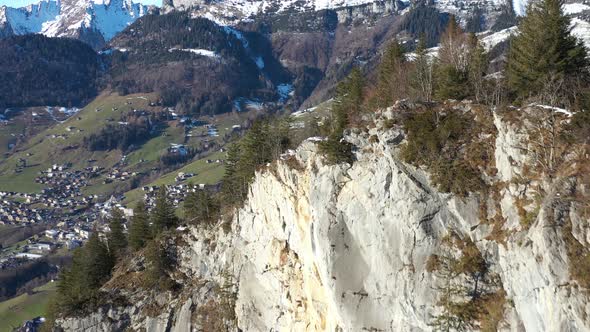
(437, 139)
(392, 75)
(18, 280)
(452, 78)
(478, 65)
(175, 29)
(91, 267)
(346, 111)
(117, 241)
(475, 23)
(190, 82)
(163, 215)
(545, 60)
(426, 21)
(506, 19)
(134, 130)
(200, 207)
(263, 143)
(37, 71)
(451, 83)
(139, 231)
(158, 264)
(174, 158)
(336, 150)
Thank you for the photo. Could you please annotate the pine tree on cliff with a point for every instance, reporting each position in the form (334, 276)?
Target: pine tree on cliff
(163, 216)
(91, 267)
(232, 186)
(97, 264)
(392, 80)
(453, 61)
(139, 232)
(158, 263)
(478, 65)
(346, 110)
(199, 207)
(117, 241)
(544, 53)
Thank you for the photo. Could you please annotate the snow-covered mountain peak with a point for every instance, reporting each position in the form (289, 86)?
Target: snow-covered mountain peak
(96, 21)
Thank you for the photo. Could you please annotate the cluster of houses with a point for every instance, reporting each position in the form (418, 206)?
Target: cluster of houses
(116, 174)
(17, 211)
(181, 176)
(58, 178)
(178, 149)
(176, 193)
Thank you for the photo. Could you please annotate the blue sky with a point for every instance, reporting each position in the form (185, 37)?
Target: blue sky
(20, 3)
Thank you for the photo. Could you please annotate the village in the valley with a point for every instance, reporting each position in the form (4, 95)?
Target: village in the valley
(63, 214)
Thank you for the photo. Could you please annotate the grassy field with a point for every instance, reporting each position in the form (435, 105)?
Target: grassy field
(47, 148)
(9, 133)
(15, 311)
(204, 173)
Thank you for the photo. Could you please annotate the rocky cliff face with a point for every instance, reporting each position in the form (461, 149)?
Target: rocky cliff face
(373, 246)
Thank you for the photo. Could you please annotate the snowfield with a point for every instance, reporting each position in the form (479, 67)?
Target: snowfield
(198, 51)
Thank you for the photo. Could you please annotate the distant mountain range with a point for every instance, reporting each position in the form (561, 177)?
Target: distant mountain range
(93, 21)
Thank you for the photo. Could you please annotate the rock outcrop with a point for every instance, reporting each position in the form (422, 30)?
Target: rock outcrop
(320, 247)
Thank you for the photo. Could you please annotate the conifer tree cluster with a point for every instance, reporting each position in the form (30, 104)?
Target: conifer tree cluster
(263, 143)
(200, 207)
(92, 264)
(347, 109)
(546, 62)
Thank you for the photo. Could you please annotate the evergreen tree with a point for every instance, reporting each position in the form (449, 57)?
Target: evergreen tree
(544, 53)
(478, 64)
(117, 240)
(139, 232)
(452, 80)
(91, 267)
(392, 80)
(346, 110)
(232, 186)
(422, 78)
(98, 262)
(200, 207)
(263, 143)
(158, 263)
(71, 291)
(163, 216)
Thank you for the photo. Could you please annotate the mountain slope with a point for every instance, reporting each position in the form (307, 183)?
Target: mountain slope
(45, 71)
(94, 21)
(373, 246)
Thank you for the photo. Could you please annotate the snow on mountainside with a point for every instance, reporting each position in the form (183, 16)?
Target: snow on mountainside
(228, 12)
(72, 18)
(232, 11)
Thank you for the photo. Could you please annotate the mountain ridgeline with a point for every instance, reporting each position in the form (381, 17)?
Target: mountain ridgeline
(201, 67)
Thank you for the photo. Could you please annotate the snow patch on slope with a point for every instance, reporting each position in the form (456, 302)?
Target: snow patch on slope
(202, 52)
(496, 38)
(581, 29)
(574, 8)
